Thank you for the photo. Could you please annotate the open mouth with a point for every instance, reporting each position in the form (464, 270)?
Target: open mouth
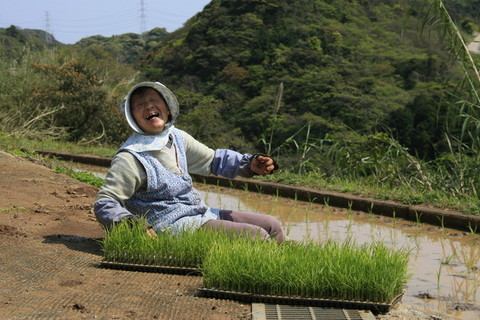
(153, 115)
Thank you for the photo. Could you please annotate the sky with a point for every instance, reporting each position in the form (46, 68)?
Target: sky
(71, 20)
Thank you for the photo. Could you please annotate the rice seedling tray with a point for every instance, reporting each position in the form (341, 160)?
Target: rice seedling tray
(150, 268)
(374, 307)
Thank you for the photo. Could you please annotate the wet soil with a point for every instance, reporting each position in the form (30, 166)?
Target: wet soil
(50, 255)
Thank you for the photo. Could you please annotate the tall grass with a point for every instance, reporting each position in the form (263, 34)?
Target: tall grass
(57, 94)
(378, 166)
(459, 168)
(278, 102)
(345, 271)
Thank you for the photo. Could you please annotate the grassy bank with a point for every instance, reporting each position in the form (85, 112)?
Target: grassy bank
(387, 180)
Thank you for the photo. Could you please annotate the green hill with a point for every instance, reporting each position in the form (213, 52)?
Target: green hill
(317, 83)
(126, 48)
(13, 40)
(358, 65)
(345, 66)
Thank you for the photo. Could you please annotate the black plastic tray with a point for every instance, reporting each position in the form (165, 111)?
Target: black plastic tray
(374, 307)
(150, 268)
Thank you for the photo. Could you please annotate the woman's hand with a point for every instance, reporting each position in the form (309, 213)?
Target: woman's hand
(262, 165)
(151, 233)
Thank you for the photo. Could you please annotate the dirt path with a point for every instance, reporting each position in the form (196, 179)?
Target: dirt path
(49, 256)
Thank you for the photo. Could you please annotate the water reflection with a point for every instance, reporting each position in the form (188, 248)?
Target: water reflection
(444, 263)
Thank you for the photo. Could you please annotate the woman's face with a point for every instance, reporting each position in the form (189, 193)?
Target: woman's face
(149, 111)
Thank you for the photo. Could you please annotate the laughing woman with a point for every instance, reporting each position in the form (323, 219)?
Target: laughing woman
(149, 175)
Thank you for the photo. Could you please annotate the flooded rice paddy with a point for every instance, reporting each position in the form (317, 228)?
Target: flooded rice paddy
(444, 263)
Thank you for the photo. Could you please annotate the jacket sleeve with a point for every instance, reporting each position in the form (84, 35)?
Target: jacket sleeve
(124, 177)
(230, 164)
(109, 212)
(220, 162)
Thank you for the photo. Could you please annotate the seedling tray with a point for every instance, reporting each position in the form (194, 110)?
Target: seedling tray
(245, 297)
(150, 268)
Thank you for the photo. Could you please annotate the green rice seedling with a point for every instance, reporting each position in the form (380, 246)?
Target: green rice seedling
(350, 205)
(473, 230)
(288, 227)
(470, 257)
(331, 270)
(310, 198)
(259, 188)
(277, 193)
(475, 286)
(128, 242)
(417, 242)
(417, 217)
(370, 210)
(442, 223)
(447, 259)
(350, 224)
(439, 275)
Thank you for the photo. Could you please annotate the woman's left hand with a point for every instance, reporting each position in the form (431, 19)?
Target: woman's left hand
(151, 233)
(262, 165)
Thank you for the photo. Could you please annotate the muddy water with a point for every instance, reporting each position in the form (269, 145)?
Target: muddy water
(444, 263)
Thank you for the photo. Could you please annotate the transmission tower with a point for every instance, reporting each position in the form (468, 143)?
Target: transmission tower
(143, 17)
(48, 30)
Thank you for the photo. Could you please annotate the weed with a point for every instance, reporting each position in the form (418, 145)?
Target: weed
(12, 208)
(86, 177)
(326, 201)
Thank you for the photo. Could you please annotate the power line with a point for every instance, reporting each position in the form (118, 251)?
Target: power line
(114, 21)
(113, 15)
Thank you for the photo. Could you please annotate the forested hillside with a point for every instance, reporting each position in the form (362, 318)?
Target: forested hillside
(15, 40)
(357, 91)
(344, 65)
(126, 48)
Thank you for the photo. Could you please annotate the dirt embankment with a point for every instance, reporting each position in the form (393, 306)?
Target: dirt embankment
(49, 256)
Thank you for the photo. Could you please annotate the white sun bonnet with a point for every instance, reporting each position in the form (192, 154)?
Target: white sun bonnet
(140, 141)
(168, 96)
